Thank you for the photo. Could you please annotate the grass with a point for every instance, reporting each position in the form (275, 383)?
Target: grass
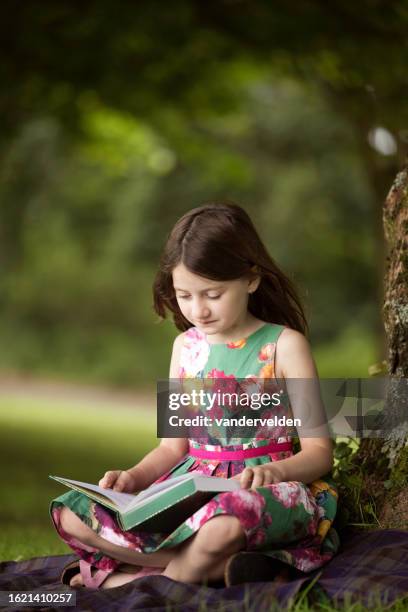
(38, 438)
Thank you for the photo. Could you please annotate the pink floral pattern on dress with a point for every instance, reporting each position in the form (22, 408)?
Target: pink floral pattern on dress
(245, 504)
(291, 494)
(194, 353)
(251, 384)
(289, 520)
(218, 382)
(277, 431)
(202, 515)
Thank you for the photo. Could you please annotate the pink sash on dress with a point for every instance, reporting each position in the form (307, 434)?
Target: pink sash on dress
(245, 453)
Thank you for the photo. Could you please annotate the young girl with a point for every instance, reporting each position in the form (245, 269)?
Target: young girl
(240, 317)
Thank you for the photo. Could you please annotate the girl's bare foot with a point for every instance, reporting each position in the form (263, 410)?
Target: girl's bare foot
(114, 580)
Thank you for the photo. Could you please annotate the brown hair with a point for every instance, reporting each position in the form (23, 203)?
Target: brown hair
(219, 241)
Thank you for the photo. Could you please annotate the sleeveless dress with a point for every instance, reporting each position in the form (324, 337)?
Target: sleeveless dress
(289, 521)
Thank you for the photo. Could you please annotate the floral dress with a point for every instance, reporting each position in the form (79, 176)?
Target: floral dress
(289, 521)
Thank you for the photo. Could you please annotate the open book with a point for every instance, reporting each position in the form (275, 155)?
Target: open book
(160, 508)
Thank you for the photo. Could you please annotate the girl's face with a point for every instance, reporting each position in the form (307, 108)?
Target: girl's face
(218, 308)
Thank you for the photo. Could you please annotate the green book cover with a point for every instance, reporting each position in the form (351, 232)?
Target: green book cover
(160, 508)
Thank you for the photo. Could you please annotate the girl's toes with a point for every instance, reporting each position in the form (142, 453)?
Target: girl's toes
(117, 579)
(76, 581)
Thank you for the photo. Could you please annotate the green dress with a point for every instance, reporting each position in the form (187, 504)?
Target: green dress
(289, 521)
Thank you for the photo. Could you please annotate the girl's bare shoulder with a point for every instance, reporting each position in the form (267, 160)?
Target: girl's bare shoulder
(291, 339)
(293, 355)
(179, 340)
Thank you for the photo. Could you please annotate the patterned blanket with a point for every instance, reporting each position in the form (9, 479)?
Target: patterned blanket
(370, 567)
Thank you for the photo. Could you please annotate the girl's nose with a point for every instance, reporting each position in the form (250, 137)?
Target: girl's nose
(200, 310)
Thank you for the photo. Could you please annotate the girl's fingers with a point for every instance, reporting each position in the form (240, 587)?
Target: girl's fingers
(246, 478)
(120, 482)
(124, 482)
(264, 477)
(108, 480)
(104, 481)
(251, 478)
(267, 477)
(258, 479)
(255, 477)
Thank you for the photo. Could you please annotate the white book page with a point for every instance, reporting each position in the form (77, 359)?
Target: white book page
(203, 482)
(127, 501)
(122, 500)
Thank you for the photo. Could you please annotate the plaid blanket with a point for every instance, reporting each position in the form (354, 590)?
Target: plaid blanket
(371, 567)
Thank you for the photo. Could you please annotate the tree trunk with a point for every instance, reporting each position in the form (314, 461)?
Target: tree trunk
(386, 460)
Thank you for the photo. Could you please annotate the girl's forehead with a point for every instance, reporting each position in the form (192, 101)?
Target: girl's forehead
(183, 278)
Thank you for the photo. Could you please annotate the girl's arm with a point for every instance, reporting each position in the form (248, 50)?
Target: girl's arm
(316, 456)
(158, 461)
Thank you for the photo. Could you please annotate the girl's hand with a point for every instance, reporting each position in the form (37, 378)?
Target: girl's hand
(259, 476)
(119, 480)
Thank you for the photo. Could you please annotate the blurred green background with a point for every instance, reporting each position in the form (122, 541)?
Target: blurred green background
(116, 119)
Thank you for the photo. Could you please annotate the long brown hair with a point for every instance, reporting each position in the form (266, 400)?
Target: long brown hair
(219, 241)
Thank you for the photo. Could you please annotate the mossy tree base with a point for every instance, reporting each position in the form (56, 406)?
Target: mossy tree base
(382, 464)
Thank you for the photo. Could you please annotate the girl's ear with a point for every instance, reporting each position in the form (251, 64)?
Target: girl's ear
(254, 280)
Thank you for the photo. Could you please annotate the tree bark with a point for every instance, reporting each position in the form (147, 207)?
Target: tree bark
(385, 460)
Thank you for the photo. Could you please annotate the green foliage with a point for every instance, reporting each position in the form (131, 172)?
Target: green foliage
(349, 478)
(80, 252)
(398, 476)
(185, 57)
(349, 354)
(104, 149)
(357, 506)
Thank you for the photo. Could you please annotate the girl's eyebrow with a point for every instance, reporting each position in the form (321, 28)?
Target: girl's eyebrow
(202, 291)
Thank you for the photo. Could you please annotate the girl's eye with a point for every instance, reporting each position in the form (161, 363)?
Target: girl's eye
(210, 297)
